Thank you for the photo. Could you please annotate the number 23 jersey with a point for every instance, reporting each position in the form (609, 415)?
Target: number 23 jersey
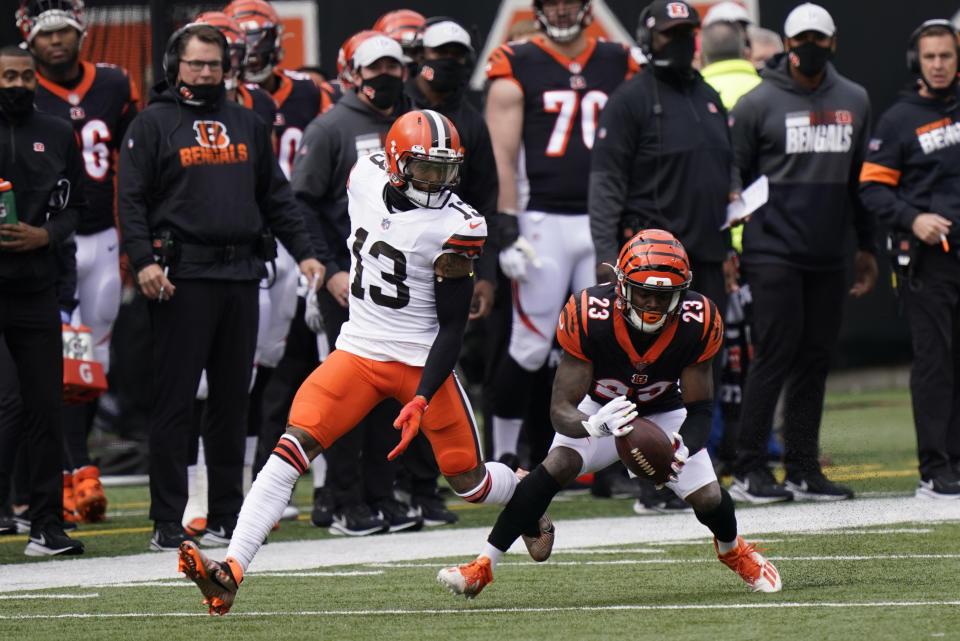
(592, 328)
(393, 313)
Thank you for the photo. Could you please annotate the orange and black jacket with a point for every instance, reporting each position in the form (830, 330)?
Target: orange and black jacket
(211, 178)
(913, 163)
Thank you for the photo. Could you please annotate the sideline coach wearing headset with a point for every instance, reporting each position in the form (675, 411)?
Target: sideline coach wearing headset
(198, 185)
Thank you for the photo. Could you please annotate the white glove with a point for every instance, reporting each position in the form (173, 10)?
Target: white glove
(311, 312)
(613, 419)
(514, 259)
(680, 456)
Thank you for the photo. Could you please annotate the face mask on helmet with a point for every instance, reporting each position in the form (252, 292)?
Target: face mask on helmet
(652, 274)
(428, 181)
(570, 25)
(262, 54)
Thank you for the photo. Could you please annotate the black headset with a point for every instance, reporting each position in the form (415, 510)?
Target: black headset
(913, 52)
(644, 35)
(171, 57)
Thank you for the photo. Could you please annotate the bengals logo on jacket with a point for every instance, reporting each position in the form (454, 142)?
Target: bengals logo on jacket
(214, 146)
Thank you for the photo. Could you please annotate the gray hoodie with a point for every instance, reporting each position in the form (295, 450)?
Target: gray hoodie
(810, 144)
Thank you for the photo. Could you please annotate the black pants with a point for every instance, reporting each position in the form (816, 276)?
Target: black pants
(796, 321)
(208, 324)
(932, 301)
(30, 326)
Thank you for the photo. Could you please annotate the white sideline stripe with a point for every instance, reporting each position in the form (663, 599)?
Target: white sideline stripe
(466, 542)
(474, 611)
(17, 597)
(876, 557)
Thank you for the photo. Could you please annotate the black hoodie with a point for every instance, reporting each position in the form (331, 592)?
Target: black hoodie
(810, 143)
(36, 154)
(913, 163)
(210, 177)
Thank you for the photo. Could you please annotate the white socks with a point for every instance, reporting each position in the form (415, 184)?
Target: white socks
(496, 488)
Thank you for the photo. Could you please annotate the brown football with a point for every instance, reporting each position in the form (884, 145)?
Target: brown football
(646, 451)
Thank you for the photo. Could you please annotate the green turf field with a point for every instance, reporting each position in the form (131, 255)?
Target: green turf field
(892, 579)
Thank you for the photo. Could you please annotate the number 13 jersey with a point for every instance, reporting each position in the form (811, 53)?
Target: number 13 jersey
(393, 314)
(592, 328)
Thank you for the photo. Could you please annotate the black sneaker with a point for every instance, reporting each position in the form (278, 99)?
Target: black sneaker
(434, 510)
(399, 516)
(7, 524)
(49, 540)
(662, 501)
(216, 535)
(938, 487)
(814, 486)
(759, 486)
(357, 520)
(168, 535)
(322, 513)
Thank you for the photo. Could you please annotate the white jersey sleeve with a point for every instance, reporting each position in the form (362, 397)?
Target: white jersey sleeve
(392, 305)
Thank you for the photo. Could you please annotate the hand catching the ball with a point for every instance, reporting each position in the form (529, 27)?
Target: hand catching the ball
(613, 419)
(680, 456)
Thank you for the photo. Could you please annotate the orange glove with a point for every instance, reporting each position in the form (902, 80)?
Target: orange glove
(409, 422)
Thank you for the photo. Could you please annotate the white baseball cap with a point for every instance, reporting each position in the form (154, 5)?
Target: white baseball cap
(444, 33)
(726, 12)
(376, 47)
(809, 17)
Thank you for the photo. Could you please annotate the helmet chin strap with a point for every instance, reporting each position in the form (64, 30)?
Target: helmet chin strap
(257, 77)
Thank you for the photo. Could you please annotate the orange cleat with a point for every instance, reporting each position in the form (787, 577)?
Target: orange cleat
(69, 500)
(756, 571)
(467, 579)
(218, 581)
(196, 527)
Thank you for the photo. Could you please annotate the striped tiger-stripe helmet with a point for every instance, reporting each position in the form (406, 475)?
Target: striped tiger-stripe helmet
(653, 261)
(424, 157)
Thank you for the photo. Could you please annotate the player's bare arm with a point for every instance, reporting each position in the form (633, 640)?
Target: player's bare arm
(696, 382)
(504, 116)
(570, 385)
(453, 266)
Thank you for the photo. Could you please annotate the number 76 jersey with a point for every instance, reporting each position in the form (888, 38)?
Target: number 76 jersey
(392, 305)
(592, 328)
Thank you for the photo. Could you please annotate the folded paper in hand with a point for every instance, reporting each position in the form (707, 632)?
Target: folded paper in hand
(751, 199)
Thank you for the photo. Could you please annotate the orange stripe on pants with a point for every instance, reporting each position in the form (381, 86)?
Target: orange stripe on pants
(345, 387)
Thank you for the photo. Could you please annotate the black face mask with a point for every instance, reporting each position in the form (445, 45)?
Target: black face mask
(676, 54)
(203, 96)
(16, 103)
(809, 58)
(445, 75)
(383, 91)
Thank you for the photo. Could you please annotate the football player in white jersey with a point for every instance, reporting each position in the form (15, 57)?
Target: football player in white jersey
(413, 244)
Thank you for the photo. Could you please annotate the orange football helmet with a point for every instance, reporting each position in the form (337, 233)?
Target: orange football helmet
(402, 25)
(264, 30)
(424, 157)
(345, 54)
(236, 41)
(656, 262)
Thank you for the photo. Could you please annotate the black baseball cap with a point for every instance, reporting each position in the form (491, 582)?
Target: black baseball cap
(666, 14)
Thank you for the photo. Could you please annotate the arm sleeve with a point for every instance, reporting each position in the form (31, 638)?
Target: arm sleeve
(695, 429)
(864, 221)
(136, 175)
(880, 179)
(613, 153)
(453, 297)
(277, 205)
(61, 225)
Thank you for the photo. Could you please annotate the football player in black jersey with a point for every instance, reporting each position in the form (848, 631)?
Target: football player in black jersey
(99, 100)
(542, 106)
(629, 348)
